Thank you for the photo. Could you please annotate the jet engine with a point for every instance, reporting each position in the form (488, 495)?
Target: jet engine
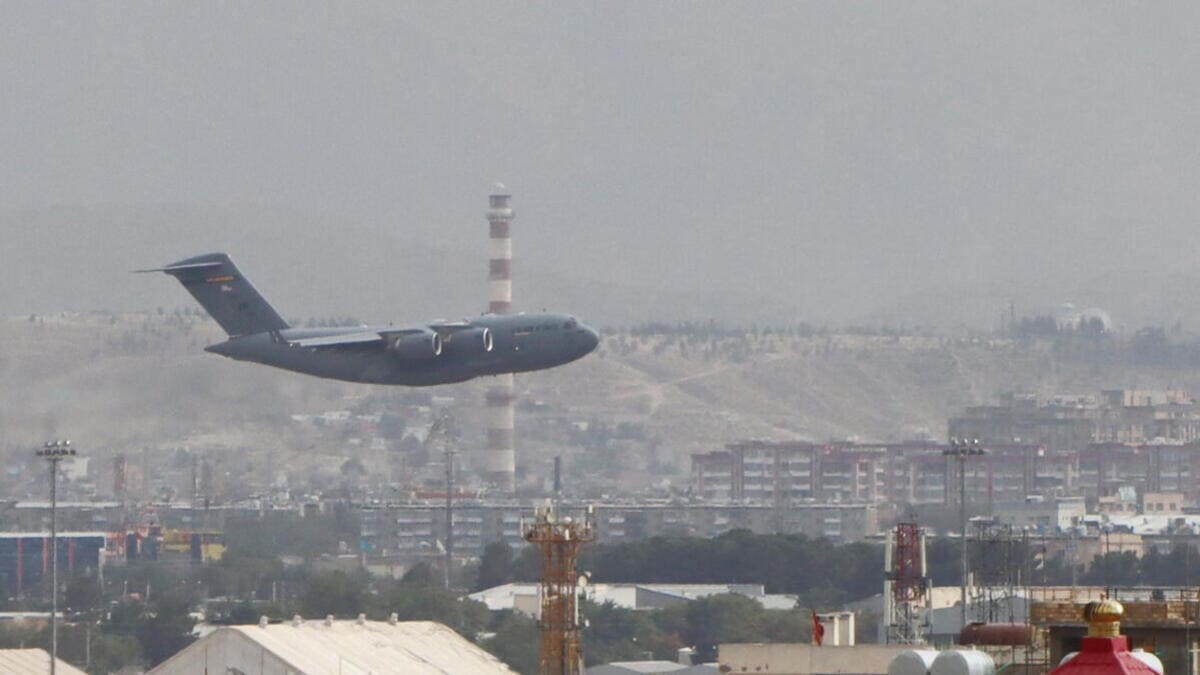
(470, 341)
(418, 346)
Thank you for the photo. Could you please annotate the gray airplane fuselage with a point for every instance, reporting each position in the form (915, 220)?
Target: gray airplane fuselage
(519, 343)
(439, 352)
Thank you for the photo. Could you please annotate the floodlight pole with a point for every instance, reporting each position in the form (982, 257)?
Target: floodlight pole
(449, 458)
(54, 452)
(960, 449)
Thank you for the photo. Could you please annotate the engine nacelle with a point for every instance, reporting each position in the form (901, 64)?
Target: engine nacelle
(418, 346)
(470, 341)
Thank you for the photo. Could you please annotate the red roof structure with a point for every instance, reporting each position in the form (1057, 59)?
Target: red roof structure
(1104, 656)
(1104, 651)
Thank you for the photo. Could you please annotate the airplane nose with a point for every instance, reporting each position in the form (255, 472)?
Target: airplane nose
(592, 339)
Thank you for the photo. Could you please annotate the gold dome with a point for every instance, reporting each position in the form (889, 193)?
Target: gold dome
(1103, 618)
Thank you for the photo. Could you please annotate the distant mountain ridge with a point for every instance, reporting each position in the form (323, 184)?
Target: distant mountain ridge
(124, 382)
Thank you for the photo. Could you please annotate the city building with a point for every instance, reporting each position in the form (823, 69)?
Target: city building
(915, 472)
(1005, 477)
(25, 557)
(419, 529)
(1041, 515)
(1069, 422)
(523, 597)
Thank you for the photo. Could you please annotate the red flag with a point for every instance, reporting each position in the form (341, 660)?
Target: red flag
(818, 631)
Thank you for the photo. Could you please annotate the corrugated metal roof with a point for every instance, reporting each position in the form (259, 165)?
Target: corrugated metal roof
(374, 647)
(46, 534)
(32, 662)
(635, 668)
(370, 647)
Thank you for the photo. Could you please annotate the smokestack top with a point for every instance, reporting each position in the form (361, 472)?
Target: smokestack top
(498, 205)
(500, 193)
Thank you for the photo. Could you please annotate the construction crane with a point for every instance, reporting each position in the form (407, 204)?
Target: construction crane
(558, 541)
(906, 585)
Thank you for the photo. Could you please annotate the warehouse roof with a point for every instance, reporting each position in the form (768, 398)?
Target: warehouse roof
(642, 667)
(332, 647)
(32, 662)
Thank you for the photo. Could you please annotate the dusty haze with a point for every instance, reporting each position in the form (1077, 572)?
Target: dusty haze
(923, 163)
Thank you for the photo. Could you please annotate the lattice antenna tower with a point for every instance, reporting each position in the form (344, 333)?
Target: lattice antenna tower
(906, 586)
(996, 572)
(558, 541)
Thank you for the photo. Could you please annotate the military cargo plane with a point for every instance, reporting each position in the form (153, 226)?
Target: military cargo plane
(439, 352)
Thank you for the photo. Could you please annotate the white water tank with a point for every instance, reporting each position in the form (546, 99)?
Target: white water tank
(1148, 659)
(962, 662)
(912, 662)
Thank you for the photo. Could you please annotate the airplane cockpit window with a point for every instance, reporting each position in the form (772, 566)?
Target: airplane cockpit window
(570, 324)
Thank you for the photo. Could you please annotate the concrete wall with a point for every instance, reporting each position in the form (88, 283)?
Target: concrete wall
(805, 659)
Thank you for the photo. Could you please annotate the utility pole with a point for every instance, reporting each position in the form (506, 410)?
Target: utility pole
(449, 458)
(960, 449)
(557, 480)
(441, 433)
(54, 452)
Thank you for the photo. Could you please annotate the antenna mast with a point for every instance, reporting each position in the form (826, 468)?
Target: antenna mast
(559, 541)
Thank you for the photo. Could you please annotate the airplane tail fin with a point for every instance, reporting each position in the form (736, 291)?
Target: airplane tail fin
(225, 294)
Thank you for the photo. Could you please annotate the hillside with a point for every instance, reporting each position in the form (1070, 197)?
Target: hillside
(627, 415)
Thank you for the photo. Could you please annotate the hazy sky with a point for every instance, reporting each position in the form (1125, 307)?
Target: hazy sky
(836, 157)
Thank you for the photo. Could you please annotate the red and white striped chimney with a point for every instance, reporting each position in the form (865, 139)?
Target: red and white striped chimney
(500, 215)
(498, 464)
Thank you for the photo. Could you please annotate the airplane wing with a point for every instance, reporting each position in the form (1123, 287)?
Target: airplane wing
(368, 339)
(445, 328)
(363, 339)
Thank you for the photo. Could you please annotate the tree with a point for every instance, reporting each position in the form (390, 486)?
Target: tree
(515, 642)
(111, 653)
(165, 630)
(243, 613)
(420, 574)
(496, 565)
(415, 602)
(722, 618)
(335, 593)
(83, 593)
(786, 626)
(1113, 569)
(618, 634)
(123, 617)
